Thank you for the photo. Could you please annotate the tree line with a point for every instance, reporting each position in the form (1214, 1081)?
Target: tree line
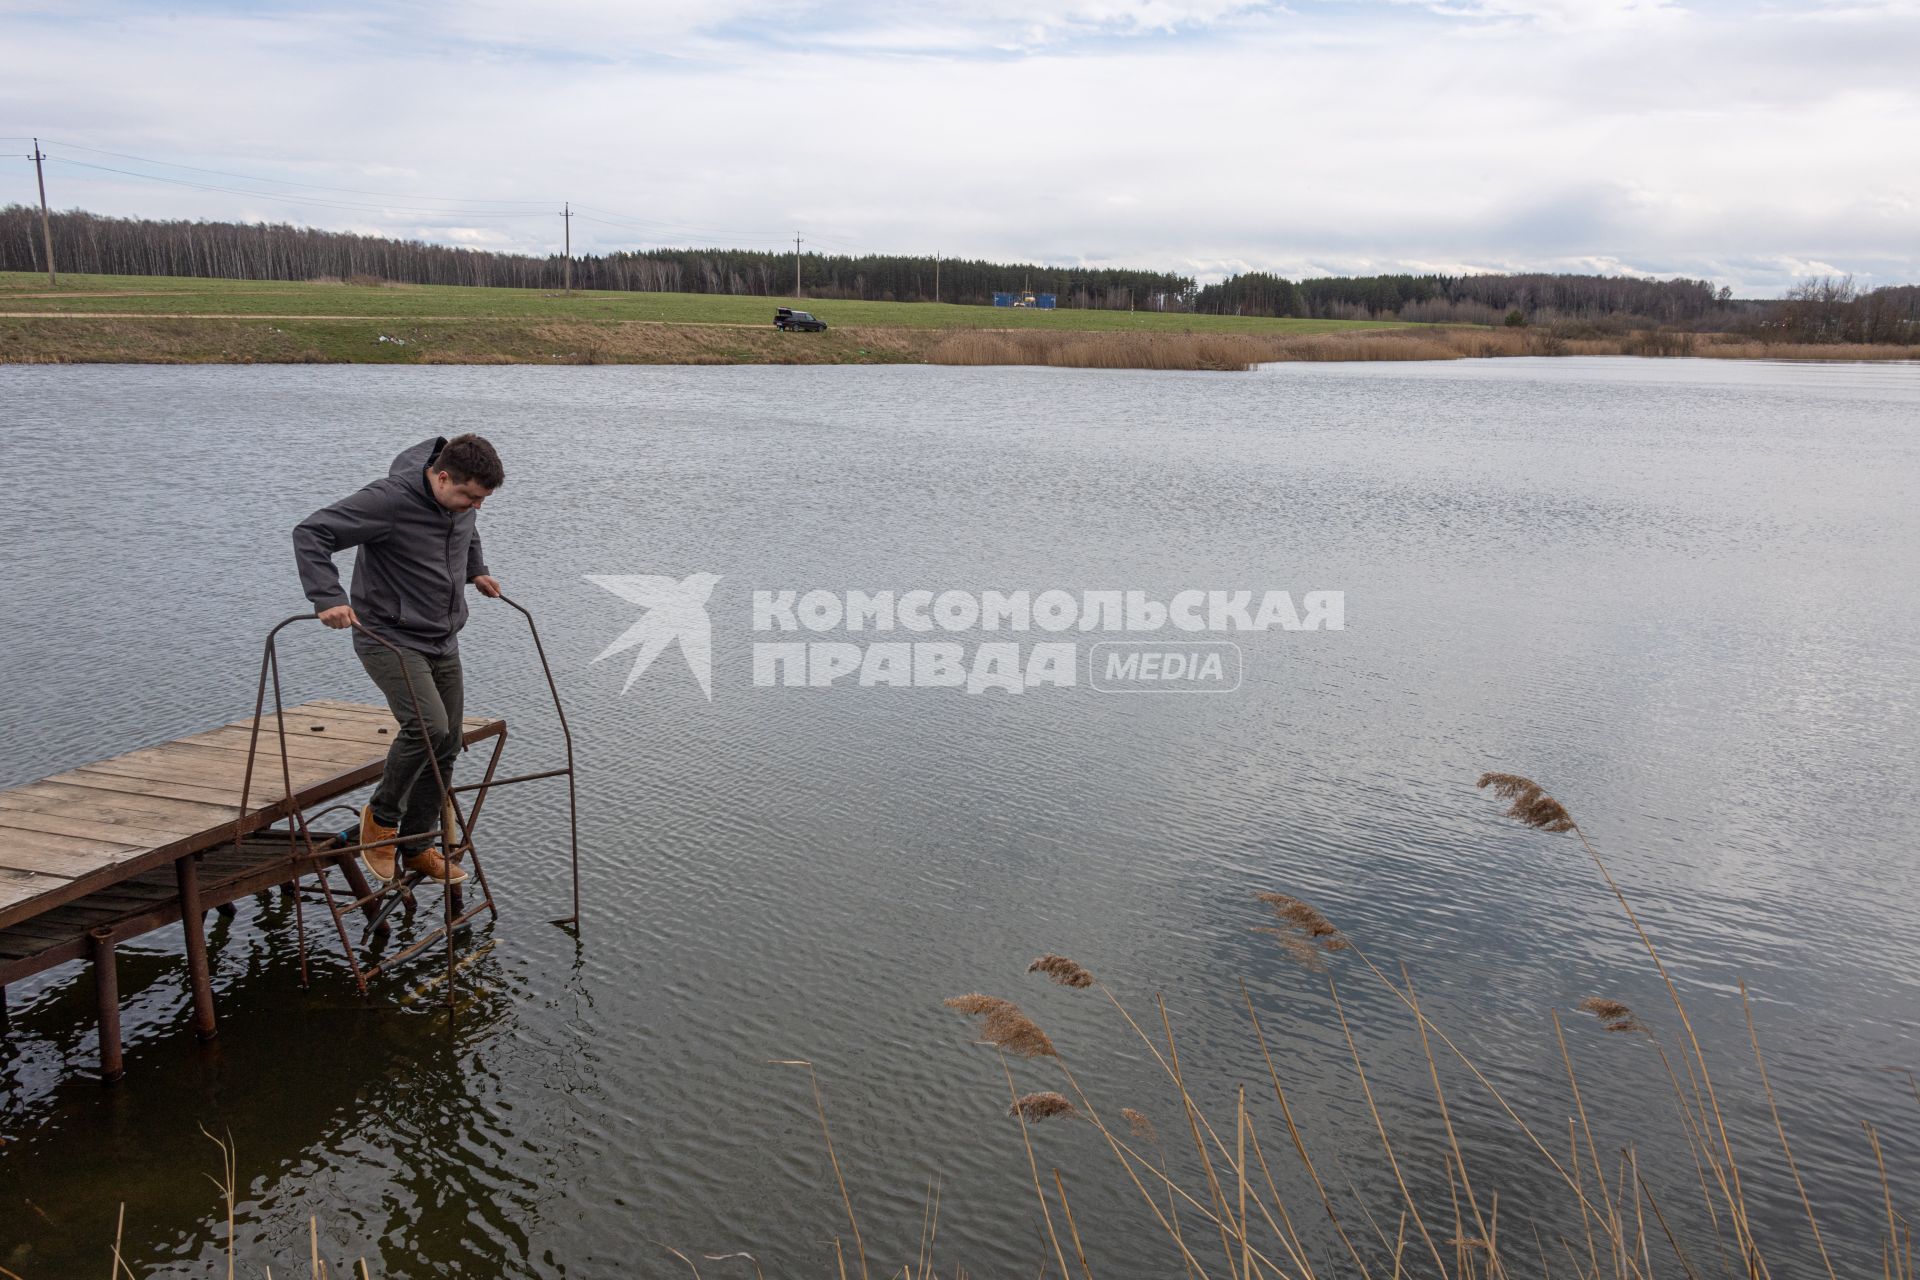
(1819, 311)
(1836, 310)
(1475, 299)
(95, 244)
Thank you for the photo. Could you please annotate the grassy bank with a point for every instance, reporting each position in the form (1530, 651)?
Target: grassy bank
(188, 296)
(1423, 342)
(177, 320)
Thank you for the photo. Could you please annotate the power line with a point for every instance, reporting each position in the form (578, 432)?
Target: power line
(535, 208)
(669, 241)
(284, 182)
(644, 224)
(752, 246)
(610, 218)
(290, 199)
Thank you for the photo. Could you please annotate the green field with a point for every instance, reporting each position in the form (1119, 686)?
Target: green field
(188, 296)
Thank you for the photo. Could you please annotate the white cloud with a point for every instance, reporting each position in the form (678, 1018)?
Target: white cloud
(1562, 14)
(1198, 135)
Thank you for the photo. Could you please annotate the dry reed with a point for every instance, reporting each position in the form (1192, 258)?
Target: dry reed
(1619, 1219)
(1061, 970)
(1530, 804)
(1041, 1106)
(820, 1106)
(1302, 932)
(1004, 1026)
(222, 339)
(1612, 1015)
(1239, 1196)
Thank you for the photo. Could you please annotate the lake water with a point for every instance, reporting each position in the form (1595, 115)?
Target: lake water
(1680, 594)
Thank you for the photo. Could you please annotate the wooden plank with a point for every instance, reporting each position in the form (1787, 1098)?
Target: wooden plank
(22, 886)
(331, 722)
(86, 776)
(135, 809)
(115, 899)
(75, 917)
(160, 790)
(13, 950)
(40, 933)
(348, 708)
(13, 839)
(207, 767)
(345, 714)
(310, 746)
(381, 714)
(69, 864)
(204, 765)
(354, 729)
(61, 824)
(339, 718)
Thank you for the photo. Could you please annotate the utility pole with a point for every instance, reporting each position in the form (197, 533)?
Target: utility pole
(796, 268)
(936, 277)
(46, 228)
(566, 220)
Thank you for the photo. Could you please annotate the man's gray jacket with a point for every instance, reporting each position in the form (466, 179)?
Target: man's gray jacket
(416, 557)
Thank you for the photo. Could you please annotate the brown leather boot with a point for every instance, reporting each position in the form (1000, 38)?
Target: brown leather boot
(435, 867)
(378, 862)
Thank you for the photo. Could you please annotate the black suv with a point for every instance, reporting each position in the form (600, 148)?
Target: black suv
(800, 321)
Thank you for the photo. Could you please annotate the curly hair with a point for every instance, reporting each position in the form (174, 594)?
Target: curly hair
(470, 457)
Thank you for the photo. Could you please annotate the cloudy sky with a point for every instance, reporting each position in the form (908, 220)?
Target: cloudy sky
(1748, 143)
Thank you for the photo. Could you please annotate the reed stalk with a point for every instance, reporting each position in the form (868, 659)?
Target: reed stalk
(1780, 1128)
(1186, 1101)
(1020, 1115)
(820, 1107)
(1073, 1230)
(1611, 1222)
(1446, 1119)
(1386, 1143)
(1299, 1143)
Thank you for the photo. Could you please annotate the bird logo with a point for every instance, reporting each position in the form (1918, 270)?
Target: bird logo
(675, 612)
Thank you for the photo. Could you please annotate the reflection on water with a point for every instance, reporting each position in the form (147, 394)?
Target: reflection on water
(1679, 593)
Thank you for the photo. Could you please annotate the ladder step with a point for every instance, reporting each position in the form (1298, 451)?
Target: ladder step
(432, 936)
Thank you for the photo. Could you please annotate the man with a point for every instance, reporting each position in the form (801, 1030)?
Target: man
(418, 549)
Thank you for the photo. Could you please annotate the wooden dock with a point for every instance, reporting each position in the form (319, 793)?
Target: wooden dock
(117, 848)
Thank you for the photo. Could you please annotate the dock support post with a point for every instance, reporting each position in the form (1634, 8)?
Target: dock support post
(6, 1024)
(187, 874)
(357, 883)
(358, 886)
(106, 986)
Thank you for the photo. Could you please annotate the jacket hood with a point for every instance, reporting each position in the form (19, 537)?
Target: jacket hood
(412, 460)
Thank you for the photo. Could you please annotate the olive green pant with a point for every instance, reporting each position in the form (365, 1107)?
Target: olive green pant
(408, 797)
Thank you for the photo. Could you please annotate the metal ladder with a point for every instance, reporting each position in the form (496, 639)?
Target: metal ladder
(316, 850)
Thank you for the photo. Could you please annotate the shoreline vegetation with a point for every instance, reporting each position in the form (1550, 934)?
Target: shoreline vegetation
(1221, 1210)
(94, 319)
(1210, 1187)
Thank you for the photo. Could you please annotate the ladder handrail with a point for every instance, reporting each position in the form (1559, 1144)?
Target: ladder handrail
(566, 734)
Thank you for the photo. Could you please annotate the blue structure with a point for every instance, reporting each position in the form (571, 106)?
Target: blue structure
(1043, 301)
